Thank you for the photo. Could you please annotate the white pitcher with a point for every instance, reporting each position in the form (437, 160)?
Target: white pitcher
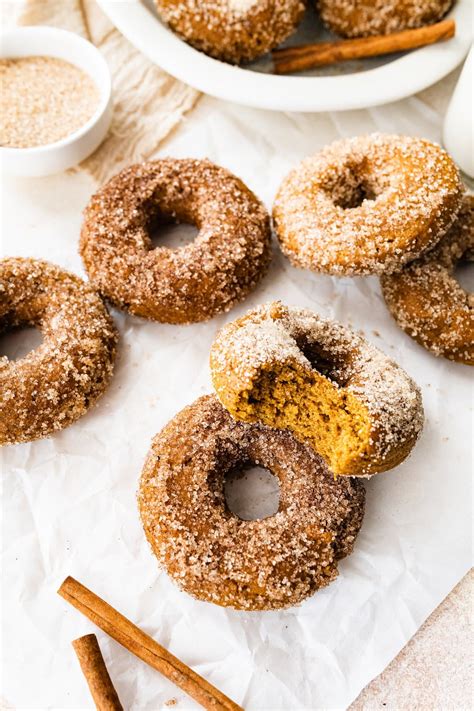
(458, 130)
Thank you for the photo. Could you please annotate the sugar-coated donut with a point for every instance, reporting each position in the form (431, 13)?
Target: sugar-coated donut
(56, 383)
(359, 18)
(367, 205)
(291, 369)
(214, 555)
(426, 300)
(234, 31)
(220, 267)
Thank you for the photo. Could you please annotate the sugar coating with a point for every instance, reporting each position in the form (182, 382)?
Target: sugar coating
(56, 383)
(234, 31)
(274, 335)
(367, 205)
(214, 555)
(43, 99)
(220, 267)
(426, 300)
(237, 7)
(353, 18)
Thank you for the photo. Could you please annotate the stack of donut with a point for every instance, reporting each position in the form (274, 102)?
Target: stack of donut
(305, 398)
(239, 31)
(393, 206)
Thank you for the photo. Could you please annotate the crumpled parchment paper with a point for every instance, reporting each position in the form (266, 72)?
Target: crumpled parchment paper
(68, 503)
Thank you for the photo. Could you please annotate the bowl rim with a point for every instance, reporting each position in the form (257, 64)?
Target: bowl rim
(403, 76)
(104, 87)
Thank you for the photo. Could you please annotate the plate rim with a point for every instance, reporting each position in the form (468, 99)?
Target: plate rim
(372, 87)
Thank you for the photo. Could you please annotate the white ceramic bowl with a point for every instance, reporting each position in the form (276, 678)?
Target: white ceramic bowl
(351, 85)
(69, 151)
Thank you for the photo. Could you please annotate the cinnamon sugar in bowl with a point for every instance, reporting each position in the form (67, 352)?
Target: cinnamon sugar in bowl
(55, 100)
(43, 100)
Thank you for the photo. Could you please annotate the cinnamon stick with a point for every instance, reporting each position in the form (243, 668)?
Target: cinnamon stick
(96, 674)
(309, 56)
(144, 647)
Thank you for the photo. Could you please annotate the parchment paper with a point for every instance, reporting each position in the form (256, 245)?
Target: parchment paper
(68, 503)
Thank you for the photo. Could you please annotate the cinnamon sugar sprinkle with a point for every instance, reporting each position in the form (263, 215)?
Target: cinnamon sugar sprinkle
(427, 301)
(211, 553)
(240, 6)
(225, 261)
(235, 31)
(367, 205)
(56, 383)
(353, 18)
(274, 334)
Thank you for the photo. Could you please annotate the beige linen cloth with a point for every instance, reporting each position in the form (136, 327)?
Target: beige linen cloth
(148, 103)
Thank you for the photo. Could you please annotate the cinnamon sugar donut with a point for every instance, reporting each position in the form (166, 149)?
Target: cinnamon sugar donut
(214, 555)
(56, 383)
(234, 31)
(289, 368)
(367, 205)
(359, 18)
(426, 300)
(195, 282)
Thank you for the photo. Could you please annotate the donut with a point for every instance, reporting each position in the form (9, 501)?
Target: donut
(426, 300)
(291, 369)
(367, 205)
(359, 18)
(215, 556)
(234, 31)
(56, 383)
(220, 267)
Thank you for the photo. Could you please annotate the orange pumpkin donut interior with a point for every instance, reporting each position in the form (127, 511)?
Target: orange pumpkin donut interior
(293, 370)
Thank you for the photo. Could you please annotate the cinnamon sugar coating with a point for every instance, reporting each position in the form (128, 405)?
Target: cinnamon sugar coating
(426, 300)
(219, 268)
(367, 205)
(234, 31)
(214, 555)
(56, 383)
(292, 369)
(359, 18)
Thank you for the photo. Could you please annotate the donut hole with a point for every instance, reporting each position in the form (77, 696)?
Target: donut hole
(324, 363)
(464, 274)
(164, 231)
(353, 196)
(351, 186)
(16, 342)
(252, 492)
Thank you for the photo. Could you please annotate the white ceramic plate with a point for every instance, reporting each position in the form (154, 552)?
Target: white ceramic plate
(350, 86)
